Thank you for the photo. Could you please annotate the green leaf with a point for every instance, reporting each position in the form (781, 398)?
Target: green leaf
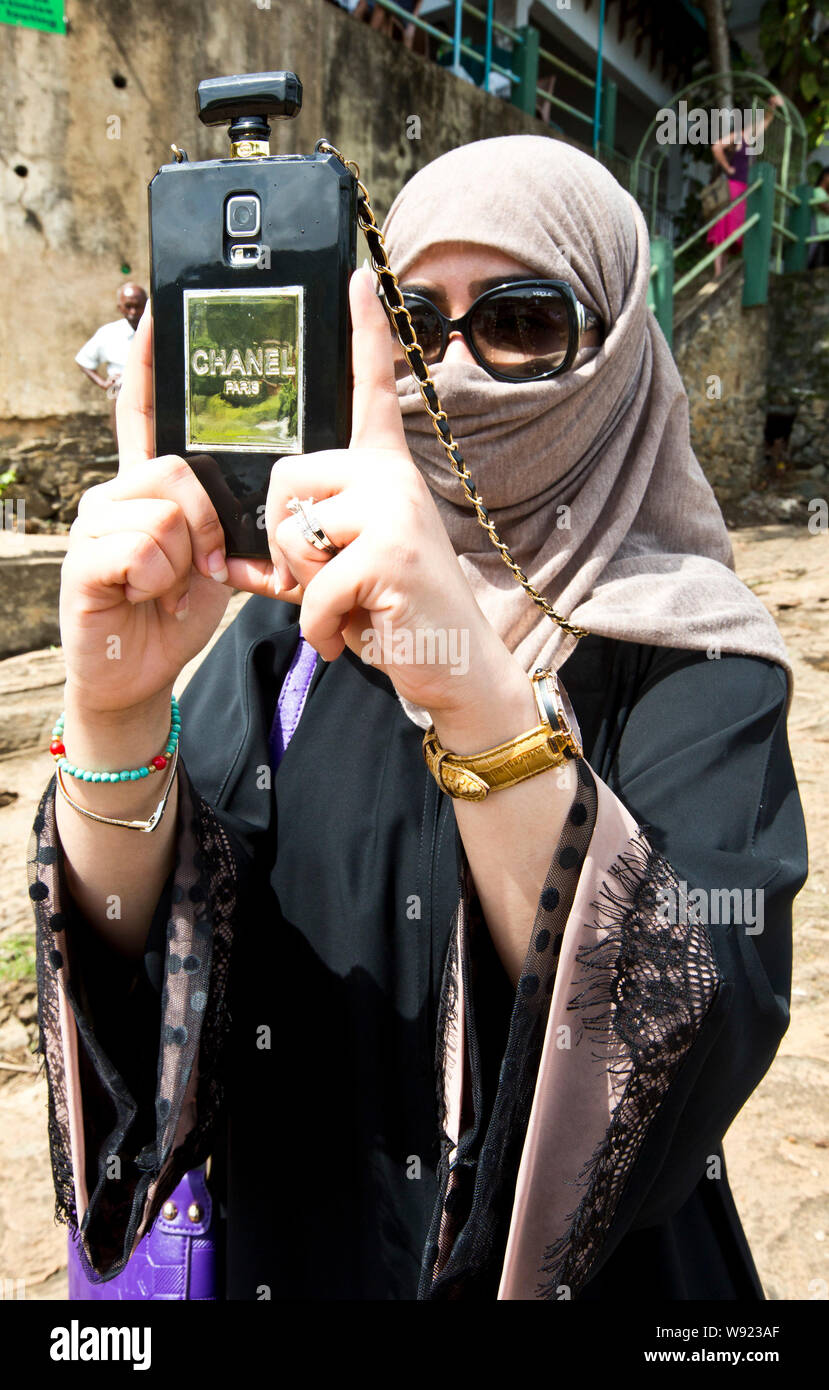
(808, 86)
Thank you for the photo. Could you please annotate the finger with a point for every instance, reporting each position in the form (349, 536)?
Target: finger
(134, 406)
(341, 519)
(256, 577)
(171, 478)
(321, 475)
(297, 560)
(163, 522)
(376, 419)
(129, 565)
(330, 597)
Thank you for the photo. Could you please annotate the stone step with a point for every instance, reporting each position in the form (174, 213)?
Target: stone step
(31, 696)
(31, 689)
(30, 568)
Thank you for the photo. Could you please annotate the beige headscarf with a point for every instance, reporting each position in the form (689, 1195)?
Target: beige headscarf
(589, 477)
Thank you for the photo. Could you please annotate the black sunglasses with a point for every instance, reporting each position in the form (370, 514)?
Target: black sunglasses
(522, 330)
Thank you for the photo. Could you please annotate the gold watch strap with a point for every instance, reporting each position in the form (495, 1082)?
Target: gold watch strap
(472, 776)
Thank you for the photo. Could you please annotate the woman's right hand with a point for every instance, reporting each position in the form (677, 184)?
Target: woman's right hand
(139, 593)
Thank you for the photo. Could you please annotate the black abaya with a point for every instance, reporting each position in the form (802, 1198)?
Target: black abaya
(342, 880)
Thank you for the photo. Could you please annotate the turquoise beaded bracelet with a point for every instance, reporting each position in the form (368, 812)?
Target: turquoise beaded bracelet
(156, 764)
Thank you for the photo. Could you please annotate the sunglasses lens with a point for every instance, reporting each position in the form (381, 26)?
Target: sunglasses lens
(521, 332)
(427, 330)
(426, 325)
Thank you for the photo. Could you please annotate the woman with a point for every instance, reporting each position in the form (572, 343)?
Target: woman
(734, 156)
(435, 1047)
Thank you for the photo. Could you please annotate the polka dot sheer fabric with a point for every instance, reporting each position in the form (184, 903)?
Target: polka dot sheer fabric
(124, 1197)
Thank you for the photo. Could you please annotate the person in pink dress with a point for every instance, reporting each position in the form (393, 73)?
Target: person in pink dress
(733, 155)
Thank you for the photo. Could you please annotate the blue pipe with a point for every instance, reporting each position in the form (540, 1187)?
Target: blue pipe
(488, 49)
(456, 55)
(597, 108)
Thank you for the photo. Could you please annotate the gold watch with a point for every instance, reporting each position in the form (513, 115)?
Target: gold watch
(472, 776)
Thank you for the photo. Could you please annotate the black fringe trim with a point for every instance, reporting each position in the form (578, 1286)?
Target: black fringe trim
(648, 988)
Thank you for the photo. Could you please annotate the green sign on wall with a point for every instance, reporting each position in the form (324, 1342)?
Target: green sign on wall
(34, 14)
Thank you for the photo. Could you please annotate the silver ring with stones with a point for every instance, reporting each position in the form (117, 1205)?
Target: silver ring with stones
(311, 530)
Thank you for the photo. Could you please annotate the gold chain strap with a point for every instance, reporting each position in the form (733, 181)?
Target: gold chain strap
(420, 372)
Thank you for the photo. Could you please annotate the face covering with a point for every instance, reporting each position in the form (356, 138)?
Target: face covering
(589, 477)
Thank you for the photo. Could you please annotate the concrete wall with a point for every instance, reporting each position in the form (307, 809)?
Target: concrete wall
(90, 148)
(799, 384)
(721, 352)
(739, 365)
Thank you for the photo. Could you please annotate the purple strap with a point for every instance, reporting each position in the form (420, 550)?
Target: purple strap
(292, 699)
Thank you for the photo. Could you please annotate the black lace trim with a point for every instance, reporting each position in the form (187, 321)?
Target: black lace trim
(42, 862)
(195, 1027)
(446, 1058)
(649, 985)
(446, 1031)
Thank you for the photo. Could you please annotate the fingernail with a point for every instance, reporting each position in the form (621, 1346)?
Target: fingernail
(182, 608)
(217, 566)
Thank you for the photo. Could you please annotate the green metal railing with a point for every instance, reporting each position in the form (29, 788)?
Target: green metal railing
(776, 230)
(757, 230)
(458, 44)
(798, 231)
(522, 74)
(787, 132)
(589, 82)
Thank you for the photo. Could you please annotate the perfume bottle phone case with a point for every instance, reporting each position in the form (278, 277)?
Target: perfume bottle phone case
(250, 262)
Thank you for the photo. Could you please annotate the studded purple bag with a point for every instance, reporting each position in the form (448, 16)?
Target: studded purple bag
(176, 1259)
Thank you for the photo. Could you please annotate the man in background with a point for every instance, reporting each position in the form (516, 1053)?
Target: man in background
(108, 347)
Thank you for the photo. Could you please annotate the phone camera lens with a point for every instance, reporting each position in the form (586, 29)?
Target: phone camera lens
(242, 215)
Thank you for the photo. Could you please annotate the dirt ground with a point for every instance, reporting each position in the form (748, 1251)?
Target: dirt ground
(777, 1150)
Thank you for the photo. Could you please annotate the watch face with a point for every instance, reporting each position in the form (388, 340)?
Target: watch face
(554, 705)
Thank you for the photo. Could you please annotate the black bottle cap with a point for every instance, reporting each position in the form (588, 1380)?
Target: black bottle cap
(247, 100)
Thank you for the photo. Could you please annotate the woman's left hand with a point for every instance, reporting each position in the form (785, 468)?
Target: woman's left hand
(395, 594)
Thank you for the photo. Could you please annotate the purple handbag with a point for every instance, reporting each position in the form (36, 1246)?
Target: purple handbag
(176, 1259)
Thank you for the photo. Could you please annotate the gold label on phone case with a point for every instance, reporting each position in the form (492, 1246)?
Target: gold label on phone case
(244, 369)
